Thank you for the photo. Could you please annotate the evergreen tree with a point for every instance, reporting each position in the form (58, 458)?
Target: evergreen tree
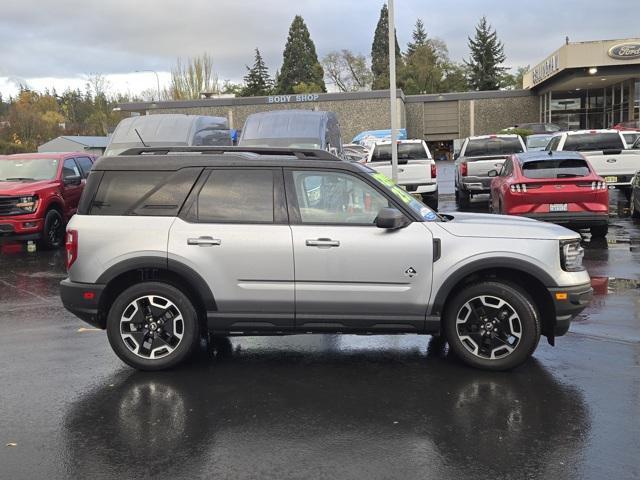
(487, 55)
(419, 37)
(380, 52)
(257, 80)
(300, 63)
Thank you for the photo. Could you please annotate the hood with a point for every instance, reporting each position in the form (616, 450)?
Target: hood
(24, 188)
(483, 225)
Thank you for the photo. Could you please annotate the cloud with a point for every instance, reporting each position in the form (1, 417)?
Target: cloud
(69, 38)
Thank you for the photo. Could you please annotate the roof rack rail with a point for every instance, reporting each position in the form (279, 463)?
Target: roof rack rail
(300, 153)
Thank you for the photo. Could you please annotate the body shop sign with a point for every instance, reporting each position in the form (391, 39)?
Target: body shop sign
(625, 51)
(304, 97)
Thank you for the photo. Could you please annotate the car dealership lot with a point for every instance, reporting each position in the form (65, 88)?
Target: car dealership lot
(322, 406)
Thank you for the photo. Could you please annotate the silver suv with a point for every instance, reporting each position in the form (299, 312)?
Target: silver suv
(170, 245)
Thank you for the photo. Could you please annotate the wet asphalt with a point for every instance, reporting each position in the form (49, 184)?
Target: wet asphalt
(323, 406)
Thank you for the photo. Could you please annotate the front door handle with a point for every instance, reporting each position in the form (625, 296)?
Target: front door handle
(322, 242)
(204, 241)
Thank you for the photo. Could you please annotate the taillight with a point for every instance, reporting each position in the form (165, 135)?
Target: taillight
(71, 246)
(434, 170)
(595, 185)
(463, 169)
(518, 188)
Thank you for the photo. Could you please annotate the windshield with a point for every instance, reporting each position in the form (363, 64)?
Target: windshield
(536, 141)
(556, 168)
(406, 151)
(401, 194)
(593, 142)
(480, 147)
(16, 169)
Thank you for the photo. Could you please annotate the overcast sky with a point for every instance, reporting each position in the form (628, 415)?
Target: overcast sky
(57, 43)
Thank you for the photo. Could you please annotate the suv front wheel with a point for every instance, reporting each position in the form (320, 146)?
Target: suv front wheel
(492, 325)
(152, 326)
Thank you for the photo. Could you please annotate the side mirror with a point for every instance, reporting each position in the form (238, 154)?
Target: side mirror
(73, 180)
(391, 219)
(493, 173)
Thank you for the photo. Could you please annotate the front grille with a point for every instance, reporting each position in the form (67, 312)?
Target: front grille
(8, 205)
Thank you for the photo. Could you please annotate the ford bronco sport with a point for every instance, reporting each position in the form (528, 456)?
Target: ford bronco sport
(172, 243)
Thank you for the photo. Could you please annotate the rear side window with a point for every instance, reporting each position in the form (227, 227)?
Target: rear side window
(149, 193)
(406, 151)
(481, 147)
(236, 196)
(593, 141)
(556, 168)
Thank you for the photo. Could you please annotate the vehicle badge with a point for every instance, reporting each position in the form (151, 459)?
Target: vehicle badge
(612, 160)
(410, 272)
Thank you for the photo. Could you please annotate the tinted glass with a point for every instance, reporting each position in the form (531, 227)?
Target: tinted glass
(239, 196)
(143, 193)
(14, 169)
(406, 151)
(70, 169)
(556, 168)
(536, 141)
(593, 141)
(493, 146)
(336, 198)
(85, 165)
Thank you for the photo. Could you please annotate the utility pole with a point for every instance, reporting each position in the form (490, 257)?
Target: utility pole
(392, 93)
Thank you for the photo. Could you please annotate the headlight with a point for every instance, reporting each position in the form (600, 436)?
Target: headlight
(28, 204)
(571, 254)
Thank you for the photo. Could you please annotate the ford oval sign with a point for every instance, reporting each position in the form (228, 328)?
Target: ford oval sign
(625, 51)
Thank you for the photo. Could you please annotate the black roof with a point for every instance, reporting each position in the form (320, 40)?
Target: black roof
(542, 155)
(174, 158)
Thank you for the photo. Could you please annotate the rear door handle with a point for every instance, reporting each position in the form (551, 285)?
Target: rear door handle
(322, 242)
(204, 241)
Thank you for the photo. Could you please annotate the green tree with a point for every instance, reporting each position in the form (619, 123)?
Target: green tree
(422, 72)
(456, 77)
(513, 81)
(419, 37)
(380, 52)
(300, 63)
(487, 55)
(257, 80)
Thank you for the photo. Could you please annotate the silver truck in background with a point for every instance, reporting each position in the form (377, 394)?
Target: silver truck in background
(478, 156)
(607, 152)
(416, 168)
(168, 130)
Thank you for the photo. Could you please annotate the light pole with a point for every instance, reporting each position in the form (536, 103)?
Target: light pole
(392, 93)
(157, 79)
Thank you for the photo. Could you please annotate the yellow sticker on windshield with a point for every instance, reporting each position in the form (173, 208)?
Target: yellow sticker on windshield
(398, 191)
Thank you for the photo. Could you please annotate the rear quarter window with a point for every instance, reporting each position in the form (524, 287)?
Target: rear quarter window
(148, 193)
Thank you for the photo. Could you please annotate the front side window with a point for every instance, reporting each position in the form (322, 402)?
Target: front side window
(70, 169)
(553, 144)
(236, 196)
(506, 168)
(85, 165)
(336, 198)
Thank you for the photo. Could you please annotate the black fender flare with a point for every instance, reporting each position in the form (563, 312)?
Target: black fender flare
(475, 266)
(195, 281)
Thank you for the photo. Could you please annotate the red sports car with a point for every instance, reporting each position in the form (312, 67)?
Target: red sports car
(558, 187)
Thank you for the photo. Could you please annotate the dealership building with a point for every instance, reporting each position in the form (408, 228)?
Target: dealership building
(592, 84)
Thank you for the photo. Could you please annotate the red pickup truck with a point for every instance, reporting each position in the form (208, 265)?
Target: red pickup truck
(39, 192)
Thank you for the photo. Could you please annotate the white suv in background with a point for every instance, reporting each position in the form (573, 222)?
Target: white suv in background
(416, 168)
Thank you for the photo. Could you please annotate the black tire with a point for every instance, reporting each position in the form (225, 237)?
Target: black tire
(517, 301)
(53, 231)
(633, 211)
(599, 231)
(188, 325)
(463, 199)
(431, 200)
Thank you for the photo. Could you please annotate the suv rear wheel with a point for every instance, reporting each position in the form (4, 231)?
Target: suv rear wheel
(463, 199)
(152, 326)
(492, 325)
(599, 231)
